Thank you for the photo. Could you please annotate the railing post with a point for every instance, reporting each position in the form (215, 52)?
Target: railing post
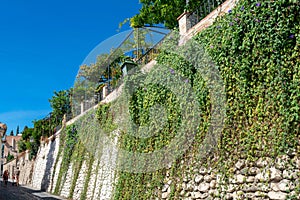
(184, 23)
(105, 91)
(81, 107)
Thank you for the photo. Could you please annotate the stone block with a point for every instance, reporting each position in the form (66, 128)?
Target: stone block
(250, 179)
(203, 187)
(240, 164)
(198, 178)
(249, 188)
(263, 162)
(282, 162)
(277, 195)
(240, 178)
(207, 178)
(213, 184)
(196, 195)
(285, 185)
(203, 171)
(253, 171)
(275, 174)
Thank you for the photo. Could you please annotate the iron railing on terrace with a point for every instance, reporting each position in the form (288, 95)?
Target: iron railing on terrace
(138, 45)
(142, 55)
(205, 8)
(150, 53)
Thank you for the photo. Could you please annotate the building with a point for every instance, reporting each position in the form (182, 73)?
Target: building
(9, 151)
(3, 129)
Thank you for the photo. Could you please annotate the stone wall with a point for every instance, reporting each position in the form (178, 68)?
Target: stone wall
(10, 167)
(100, 184)
(42, 173)
(66, 186)
(26, 169)
(265, 178)
(25, 166)
(44, 163)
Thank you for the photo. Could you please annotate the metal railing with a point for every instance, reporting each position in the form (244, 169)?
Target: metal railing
(144, 56)
(149, 55)
(203, 10)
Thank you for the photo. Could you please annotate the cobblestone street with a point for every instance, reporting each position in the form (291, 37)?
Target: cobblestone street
(11, 192)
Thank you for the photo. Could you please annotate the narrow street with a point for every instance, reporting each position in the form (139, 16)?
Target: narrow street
(11, 192)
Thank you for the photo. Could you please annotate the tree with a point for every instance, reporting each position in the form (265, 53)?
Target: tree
(159, 11)
(11, 133)
(27, 133)
(166, 11)
(87, 80)
(61, 105)
(17, 133)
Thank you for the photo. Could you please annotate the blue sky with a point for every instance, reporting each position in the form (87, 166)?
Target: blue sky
(42, 45)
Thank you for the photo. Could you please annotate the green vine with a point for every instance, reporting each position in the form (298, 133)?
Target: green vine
(105, 118)
(77, 159)
(62, 134)
(68, 142)
(145, 185)
(256, 46)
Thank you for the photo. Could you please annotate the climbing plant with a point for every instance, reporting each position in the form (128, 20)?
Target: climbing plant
(69, 138)
(256, 46)
(256, 49)
(149, 95)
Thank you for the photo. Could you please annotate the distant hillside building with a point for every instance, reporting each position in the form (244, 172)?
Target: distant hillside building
(3, 129)
(9, 148)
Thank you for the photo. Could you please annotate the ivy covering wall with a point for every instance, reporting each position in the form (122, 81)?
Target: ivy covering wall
(72, 151)
(256, 48)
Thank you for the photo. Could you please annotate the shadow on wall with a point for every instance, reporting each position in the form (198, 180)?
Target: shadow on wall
(50, 161)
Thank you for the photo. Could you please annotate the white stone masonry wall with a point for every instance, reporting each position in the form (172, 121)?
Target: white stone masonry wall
(103, 170)
(26, 170)
(55, 175)
(66, 184)
(93, 180)
(102, 179)
(44, 164)
(80, 181)
(263, 179)
(40, 166)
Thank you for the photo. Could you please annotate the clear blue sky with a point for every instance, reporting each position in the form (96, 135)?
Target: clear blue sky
(43, 43)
